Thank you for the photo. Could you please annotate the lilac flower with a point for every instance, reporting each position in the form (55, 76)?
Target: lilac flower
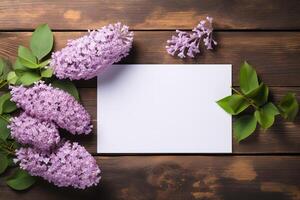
(52, 104)
(69, 165)
(90, 55)
(25, 129)
(185, 44)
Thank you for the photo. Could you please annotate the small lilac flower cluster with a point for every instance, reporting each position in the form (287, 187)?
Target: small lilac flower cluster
(69, 165)
(186, 44)
(88, 56)
(45, 109)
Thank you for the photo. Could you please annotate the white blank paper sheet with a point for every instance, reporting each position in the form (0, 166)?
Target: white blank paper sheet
(163, 109)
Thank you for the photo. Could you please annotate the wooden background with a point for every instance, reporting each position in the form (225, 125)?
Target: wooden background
(266, 33)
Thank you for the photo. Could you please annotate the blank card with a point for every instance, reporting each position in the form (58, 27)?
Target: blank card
(163, 109)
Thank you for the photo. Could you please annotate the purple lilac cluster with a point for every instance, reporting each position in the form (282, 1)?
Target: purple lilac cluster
(42, 135)
(69, 165)
(52, 104)
(88, 56)
(188, 44)
(61, 163)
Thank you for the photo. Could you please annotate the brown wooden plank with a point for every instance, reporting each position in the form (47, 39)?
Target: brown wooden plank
(182, 177)
(154, 14)
(274, 54)
(284, 137)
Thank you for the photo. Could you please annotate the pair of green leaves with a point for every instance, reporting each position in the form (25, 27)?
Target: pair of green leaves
(288, 106)
(245, 125)
(30, 66)
(255, 94)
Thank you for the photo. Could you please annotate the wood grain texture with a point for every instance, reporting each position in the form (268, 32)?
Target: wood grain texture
(264, 32)
(182, 178)
(275, 55)
(283, 137)
(150, 14)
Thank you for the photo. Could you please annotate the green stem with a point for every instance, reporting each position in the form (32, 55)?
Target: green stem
(2, 84)
(246, 98)
(7, 149)
(1, 116)
(12, 144)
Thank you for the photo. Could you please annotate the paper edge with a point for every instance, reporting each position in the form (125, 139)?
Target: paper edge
(162, 153)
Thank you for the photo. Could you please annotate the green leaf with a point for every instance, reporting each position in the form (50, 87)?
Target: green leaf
(27, 58)
(28, 64)
(12, 77)
(29, 78)
(244, 127)
(20, 180)
(248, 78)
(3, 163)
(7, 106)
(288, 106)
(47, 72)
(10, 161)
(266, 115)
(41, 42)
(259, 95)
(19, 68)
(26, 54)
(5, 69)
(18, 65)
(4, 131)
(2, 65)
(45, 63)
(233, 104)
(67, 86)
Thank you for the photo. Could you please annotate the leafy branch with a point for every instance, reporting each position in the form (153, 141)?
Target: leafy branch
(31, 65)
(255, 94)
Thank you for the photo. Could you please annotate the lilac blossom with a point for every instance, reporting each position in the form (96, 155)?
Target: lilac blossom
(69, 165)
(52, 104)
(42, 135)
(188, 44)
(88, 56)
